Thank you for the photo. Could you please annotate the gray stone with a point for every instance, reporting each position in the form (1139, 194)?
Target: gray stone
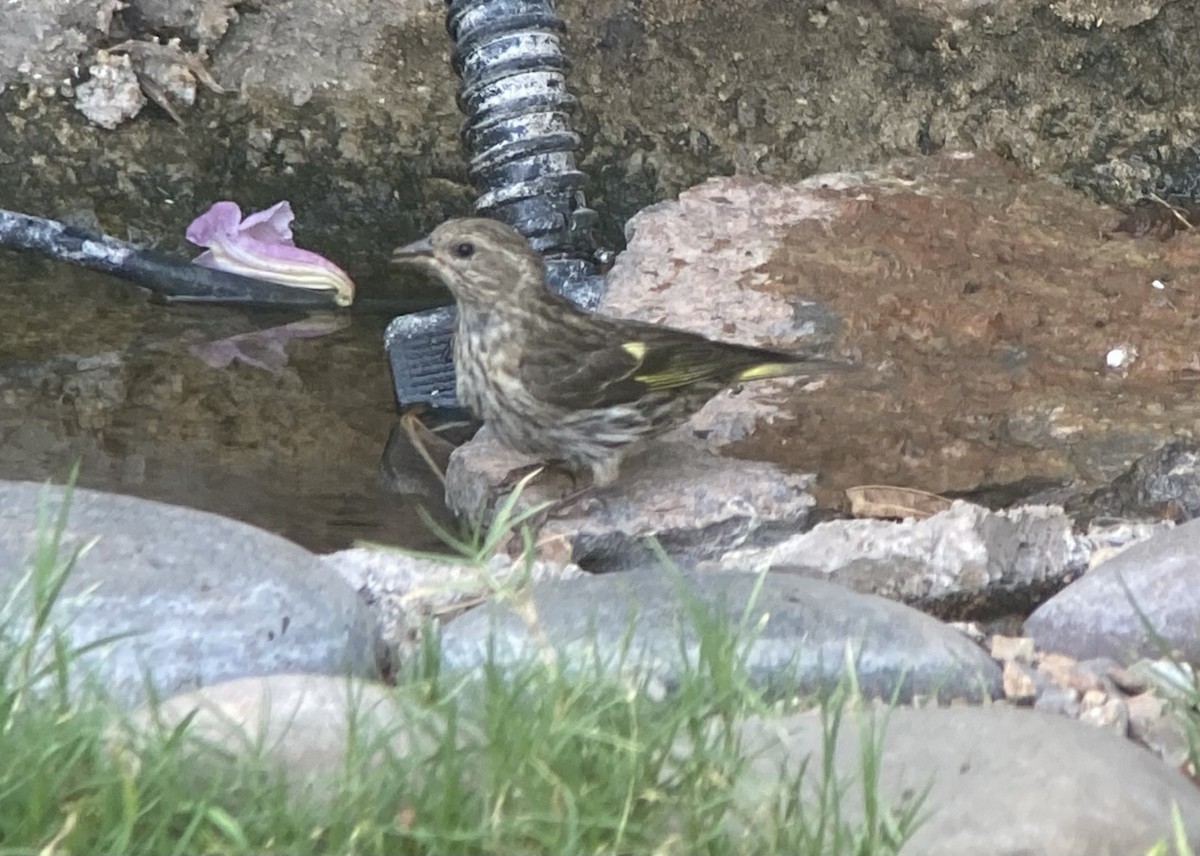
(964, 549)
(204, 598)
(798, 633)
(1100, 711)
(1164, 483)
(1001, 781)
(203, 20)
(695, 503)
(1111, 611)
(1171, 678)
(40, 40)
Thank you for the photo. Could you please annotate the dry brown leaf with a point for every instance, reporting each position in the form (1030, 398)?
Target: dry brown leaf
(889, 501)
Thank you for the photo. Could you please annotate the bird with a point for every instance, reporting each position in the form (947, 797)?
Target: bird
(563, 384)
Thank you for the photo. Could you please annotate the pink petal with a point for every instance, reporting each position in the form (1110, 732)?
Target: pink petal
(261, 246)
(273, 225)
(222, 218)
(279, 263)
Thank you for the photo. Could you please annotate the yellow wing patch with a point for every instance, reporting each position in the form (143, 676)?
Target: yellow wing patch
(679, 371)
(768, 370)
(637, 350)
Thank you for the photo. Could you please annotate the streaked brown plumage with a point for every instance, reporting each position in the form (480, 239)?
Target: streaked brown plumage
(563, 384)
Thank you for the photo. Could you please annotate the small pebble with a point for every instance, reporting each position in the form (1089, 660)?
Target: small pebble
(1012, 648)
(1019, 682)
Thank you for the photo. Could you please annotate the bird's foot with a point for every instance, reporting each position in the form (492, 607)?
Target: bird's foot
(549, 473)
(557, 489)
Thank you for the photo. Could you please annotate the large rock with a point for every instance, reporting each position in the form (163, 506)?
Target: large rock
(798, 634)
(310, 726)
(969, 382)
(968, 385)
(694, 503)
(1144, 600)
(194, 598)
(955, 561)
(1001, 781)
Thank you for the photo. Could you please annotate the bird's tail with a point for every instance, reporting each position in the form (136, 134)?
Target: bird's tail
(795, 364)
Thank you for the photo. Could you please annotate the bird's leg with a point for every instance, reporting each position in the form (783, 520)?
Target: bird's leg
(434, 450)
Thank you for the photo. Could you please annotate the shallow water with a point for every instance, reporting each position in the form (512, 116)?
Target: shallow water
(288, 436)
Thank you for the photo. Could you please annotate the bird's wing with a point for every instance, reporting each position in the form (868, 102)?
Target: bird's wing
(618, 370)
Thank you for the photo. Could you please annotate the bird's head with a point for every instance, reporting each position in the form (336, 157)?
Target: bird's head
(479, 260)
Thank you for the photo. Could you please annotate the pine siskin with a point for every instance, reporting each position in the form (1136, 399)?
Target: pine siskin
(560, 383)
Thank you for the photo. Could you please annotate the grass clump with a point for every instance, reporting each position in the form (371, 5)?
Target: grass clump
(535, 758)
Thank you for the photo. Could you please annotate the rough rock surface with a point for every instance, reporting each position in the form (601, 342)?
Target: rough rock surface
(347, 108)
(1000, 781)
(981, 303)
(1164, 484)
(947, 562)
(800, 633)
(201, 598)
(694, 503)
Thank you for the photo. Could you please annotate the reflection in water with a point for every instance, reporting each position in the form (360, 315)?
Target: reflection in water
(191, 405)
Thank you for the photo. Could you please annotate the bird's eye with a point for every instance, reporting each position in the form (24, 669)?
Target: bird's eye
(464, 250)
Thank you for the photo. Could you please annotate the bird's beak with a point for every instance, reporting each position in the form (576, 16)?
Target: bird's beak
(416, 251)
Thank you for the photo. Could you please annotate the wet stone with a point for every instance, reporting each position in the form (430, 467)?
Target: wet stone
(801, 646)
(971, 381)
(203, 598)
